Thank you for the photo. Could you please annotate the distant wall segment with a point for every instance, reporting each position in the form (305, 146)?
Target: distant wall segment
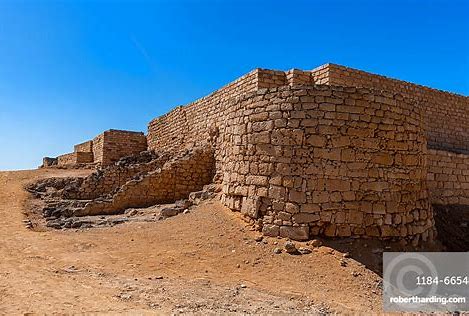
(113, 144)
(105, 149)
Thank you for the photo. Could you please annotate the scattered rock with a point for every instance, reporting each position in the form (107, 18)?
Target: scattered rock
(304, 250)
(57, 224)
(316, 243)
(343, 263)
(28, 224)
(295, 233)
(199, 196)
(132, 213)
(171, 211)
(277, 251)
(71, 269)
(125, 296)
(184, 204)
(290, 248)
(243, 286)
(259, 238)
(346, 255)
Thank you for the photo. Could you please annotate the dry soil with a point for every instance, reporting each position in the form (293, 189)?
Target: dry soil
(207, 261)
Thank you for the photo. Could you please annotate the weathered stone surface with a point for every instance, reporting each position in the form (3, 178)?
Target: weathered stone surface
(171, 211)
(290, 248)
(295, 233)
(271, 230)
(302, 218)
(304, 250)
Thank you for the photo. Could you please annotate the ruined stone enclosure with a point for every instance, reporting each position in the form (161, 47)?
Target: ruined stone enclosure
(333, 151)
(105, 149)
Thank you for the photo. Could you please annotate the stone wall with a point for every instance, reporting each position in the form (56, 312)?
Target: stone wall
(115, 144)
(189, 124)
(49, 162)
(446, 114)
(66, 159)
(104, 149)
(448, 177)
(186, 173)
(75, 158)
(84, 147)
(333, 151)
(98, 148)
(304, 161)
(330, 161)
(106, 180)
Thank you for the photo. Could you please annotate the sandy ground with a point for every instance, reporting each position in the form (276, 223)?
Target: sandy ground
(203, 262)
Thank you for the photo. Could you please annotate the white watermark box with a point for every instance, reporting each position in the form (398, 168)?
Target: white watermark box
(425, 281)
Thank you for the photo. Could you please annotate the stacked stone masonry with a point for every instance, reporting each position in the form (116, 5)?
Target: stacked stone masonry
(112, 145)
(183, 174)
(111, 178)
(307, 159)
(327, 160)
(446, 114)
(104, 149)
(84, 147)
(333, 151)
(75, 158)
(448, 177)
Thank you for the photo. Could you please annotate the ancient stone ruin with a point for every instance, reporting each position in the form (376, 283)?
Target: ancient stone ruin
(104, 149)
(333, 151)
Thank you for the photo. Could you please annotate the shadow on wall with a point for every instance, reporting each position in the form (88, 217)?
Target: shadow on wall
(452, 224)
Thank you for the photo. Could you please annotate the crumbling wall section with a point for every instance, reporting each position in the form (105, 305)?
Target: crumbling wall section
(98, 148)
(49, 162)
(106, 180)
(182, 175)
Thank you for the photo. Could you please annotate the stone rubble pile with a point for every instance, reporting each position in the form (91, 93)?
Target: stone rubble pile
(72, 202)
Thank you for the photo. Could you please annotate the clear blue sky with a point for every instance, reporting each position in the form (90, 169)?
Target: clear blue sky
(71, 69)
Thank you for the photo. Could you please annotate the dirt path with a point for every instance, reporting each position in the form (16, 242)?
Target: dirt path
(206, 261)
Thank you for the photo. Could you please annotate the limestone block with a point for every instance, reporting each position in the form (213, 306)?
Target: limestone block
(295, 233)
